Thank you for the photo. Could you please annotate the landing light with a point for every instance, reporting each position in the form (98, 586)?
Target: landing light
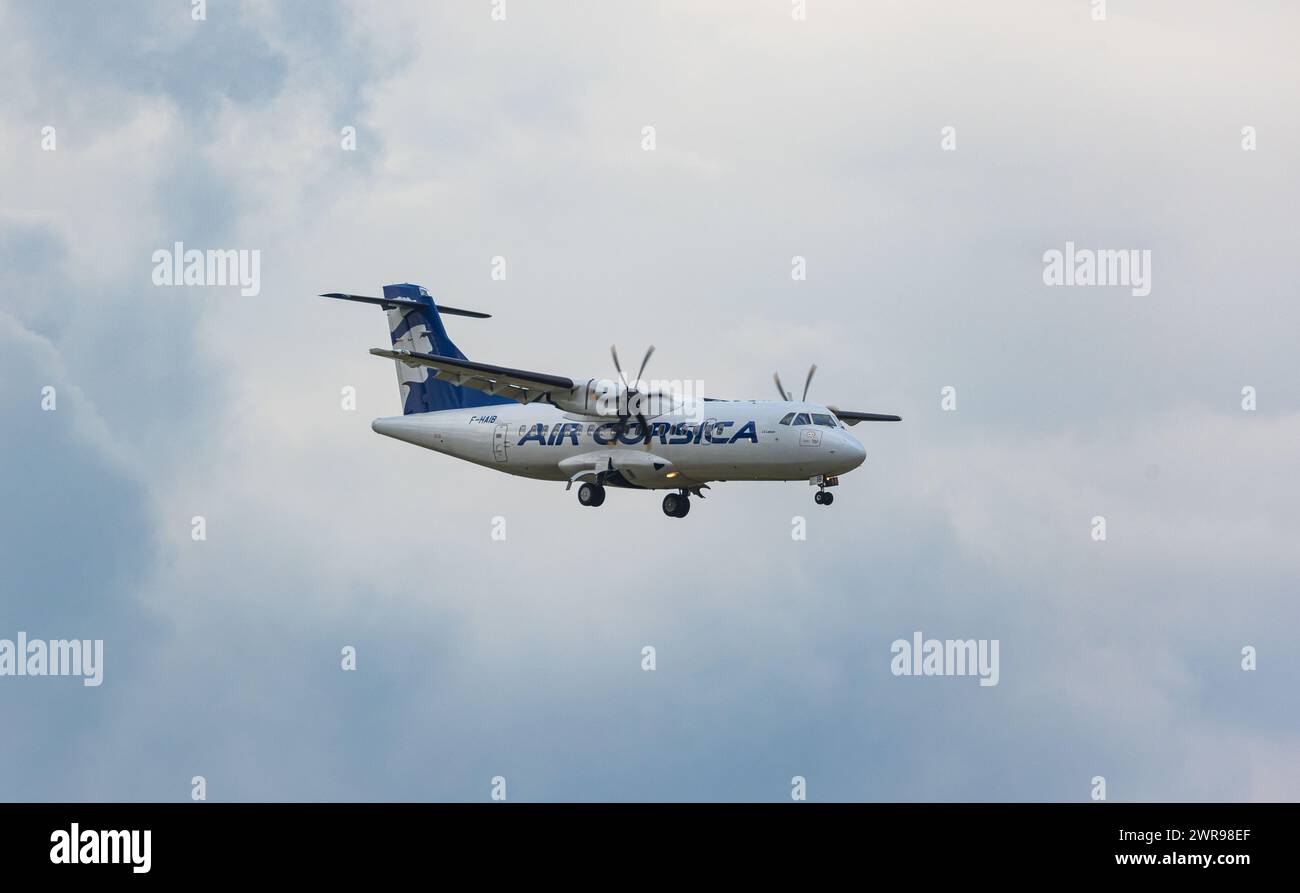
(671, 474)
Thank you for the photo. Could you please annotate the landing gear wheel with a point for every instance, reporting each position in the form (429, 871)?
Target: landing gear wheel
(828, 497)
(819, 497)
(591, 494)
(676, 506)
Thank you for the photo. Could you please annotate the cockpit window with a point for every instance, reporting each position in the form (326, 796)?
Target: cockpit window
(802, 419)
(823, 420)
(786, 420)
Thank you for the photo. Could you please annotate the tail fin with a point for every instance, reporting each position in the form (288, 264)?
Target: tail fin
(415, 323)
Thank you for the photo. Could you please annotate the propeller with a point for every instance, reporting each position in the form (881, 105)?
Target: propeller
(786, 395)
(631, 392)
(845, 416)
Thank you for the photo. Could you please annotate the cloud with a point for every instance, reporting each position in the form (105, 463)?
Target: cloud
(522, 139)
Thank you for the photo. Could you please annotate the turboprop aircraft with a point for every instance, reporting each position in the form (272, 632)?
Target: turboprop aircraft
(600, 433)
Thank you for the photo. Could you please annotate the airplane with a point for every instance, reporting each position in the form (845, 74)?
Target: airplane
(600, 433)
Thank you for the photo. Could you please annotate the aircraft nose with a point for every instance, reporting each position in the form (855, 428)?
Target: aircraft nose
(855, 452)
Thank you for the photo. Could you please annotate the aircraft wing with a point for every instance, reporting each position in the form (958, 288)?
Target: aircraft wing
(852, 418)
(517, 384)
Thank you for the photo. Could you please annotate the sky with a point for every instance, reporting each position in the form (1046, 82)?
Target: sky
(822, 137)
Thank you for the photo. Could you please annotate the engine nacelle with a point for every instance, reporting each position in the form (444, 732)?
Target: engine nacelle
(611, 399)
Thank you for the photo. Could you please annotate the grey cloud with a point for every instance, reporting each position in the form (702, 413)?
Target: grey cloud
(521, 658)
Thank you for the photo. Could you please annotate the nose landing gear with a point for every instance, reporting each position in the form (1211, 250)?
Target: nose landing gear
(824, 496)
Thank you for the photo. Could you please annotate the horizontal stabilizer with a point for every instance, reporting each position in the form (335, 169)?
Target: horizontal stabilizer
(388, 303)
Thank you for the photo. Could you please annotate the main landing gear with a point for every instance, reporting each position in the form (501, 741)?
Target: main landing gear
(676, 505)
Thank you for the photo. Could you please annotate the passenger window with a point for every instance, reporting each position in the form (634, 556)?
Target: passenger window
(823, 420)
(786, 420)
(802, 419)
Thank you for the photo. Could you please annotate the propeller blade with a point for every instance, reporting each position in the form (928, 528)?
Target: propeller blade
(645, 361)
(811, 370)
(779, 388)
(614, 353)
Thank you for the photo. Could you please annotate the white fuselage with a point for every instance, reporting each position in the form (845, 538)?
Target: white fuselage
(724, 440)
